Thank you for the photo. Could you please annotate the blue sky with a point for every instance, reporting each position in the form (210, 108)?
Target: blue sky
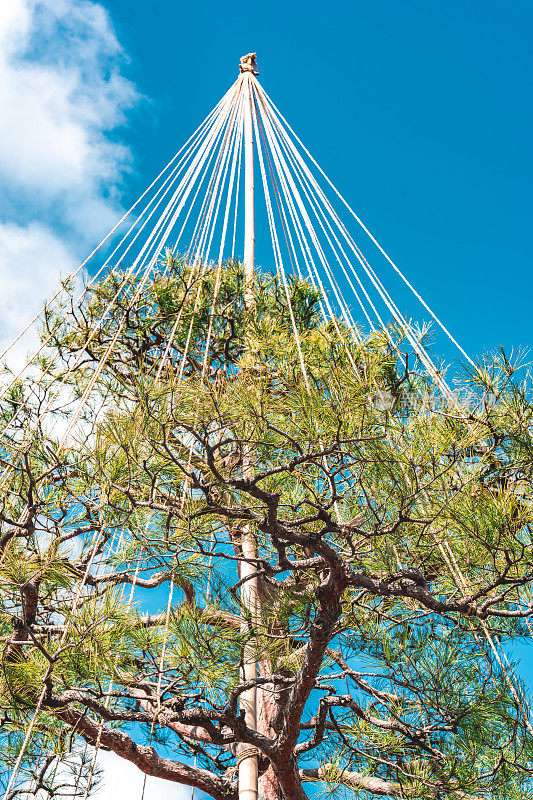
(420, 112)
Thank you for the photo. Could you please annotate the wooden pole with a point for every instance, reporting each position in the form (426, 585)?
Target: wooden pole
(247, 756)
(249, 189)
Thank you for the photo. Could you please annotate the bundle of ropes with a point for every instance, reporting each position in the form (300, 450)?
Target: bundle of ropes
(194, 211)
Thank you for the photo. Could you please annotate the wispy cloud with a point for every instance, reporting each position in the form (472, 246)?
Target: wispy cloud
(122, 779)
(62, 96)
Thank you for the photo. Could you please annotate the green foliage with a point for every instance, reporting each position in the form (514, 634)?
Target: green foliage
(208, 417)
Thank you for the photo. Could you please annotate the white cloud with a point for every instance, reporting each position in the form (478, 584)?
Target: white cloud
(62, 93)
(123, 779)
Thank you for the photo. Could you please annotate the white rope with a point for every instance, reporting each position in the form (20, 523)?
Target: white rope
(141, 259)
(280, 145)
(213, 196)
(167, 184)
(288, 186)
(221, 179)
(86, 393)
(385, 296)
(377, 284)
(206, 156)
(169, 343)
(236, 155)
(275, 243)
(368, 233)
(241, 137)
(114, 228)
(286, 197)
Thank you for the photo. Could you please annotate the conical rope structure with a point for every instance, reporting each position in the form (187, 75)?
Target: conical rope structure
(202, 211)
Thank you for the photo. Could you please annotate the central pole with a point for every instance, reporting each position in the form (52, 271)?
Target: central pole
(249, 189)
(247, 756)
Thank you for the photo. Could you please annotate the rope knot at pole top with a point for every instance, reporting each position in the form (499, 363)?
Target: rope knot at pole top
(248, 63)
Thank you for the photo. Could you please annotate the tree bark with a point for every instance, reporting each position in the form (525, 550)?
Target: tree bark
(146, 758)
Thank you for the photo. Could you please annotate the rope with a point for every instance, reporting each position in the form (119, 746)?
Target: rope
(385, 296)
(211, 160)
(63, 440)
(275, 245)
(112, 231)
(289, 187)
(372, 276)
(111, 303)
(365, 229)
(432, 371)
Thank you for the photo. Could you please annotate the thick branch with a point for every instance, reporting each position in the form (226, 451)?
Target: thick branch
(355, 780)
(146, 758)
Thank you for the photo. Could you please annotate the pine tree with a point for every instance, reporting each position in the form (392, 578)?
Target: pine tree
(393, 534)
